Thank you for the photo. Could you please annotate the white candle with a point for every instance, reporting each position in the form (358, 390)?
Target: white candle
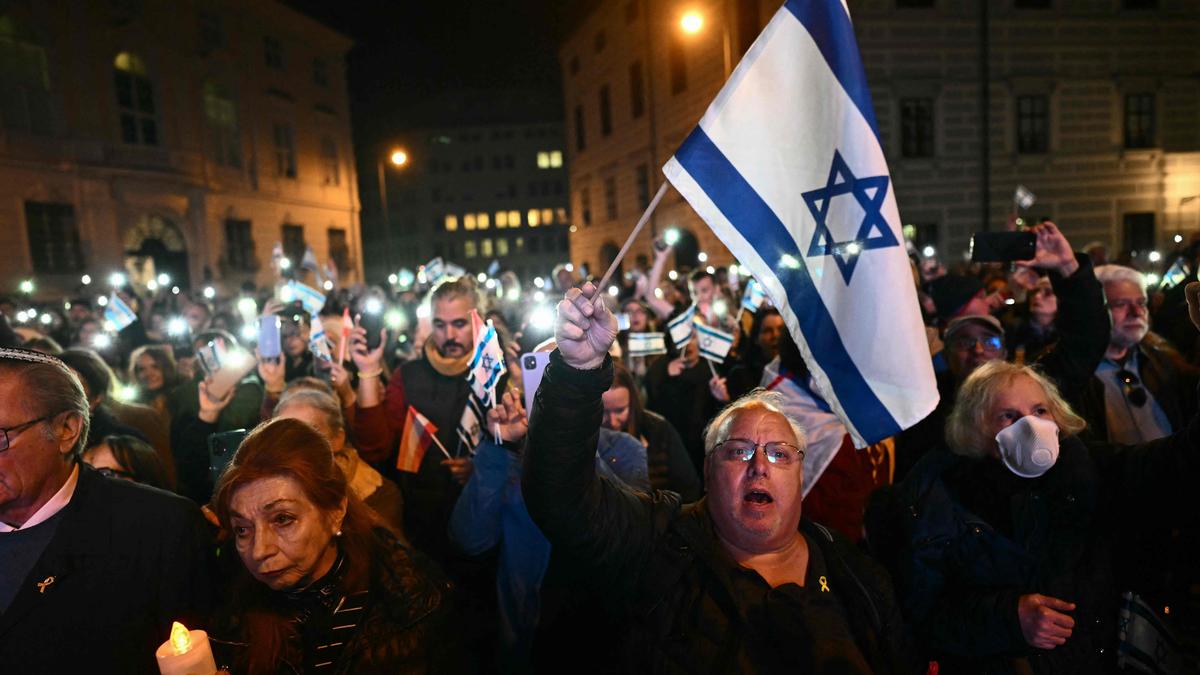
(187, 652)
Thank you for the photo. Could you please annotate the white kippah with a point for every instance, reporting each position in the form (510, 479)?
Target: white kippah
(30, 356)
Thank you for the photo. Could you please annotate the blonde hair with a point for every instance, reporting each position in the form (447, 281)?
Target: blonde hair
(717, 430)
(967, 421)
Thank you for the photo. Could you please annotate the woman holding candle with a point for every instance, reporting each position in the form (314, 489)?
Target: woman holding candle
(327, 586)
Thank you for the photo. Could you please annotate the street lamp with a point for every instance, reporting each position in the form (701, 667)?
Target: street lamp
(692, 22)
(398, 159)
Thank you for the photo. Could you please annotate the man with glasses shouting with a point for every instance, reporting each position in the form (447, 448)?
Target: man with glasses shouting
(734, 583)
(93, 570)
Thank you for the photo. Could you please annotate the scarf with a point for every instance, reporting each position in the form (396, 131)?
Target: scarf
(362, 479)
(444, 364)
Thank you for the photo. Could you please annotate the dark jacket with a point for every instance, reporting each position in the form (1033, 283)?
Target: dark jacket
(1163, 371)
(407, 626)
(976, 538)
(661, 564)
(125, 562)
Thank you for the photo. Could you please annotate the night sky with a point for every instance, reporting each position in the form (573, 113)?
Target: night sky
(408, 50)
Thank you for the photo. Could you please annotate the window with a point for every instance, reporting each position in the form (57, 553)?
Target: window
(501, 219)
(520, 244)
(239, 246)
(320, 72)
(580, 138)
(502, 246)
(483, 221)
(211, 32)
(560, 216)
(1139, 232)
(53, 237)
(24, 82)
(339, 249)
(329, 162)
(556, 159)
(294, 244)
(273, 53)
(451, 222)
(1139, 120)
(534, 218)
(547, 216)
(677, 64)
(1033, 124)
(514, 218)
(221, 112)
(631, 11)
(585, 206)
(285, 151)
(642, 179)
(535, 245)
(543, 160)
(605, 112)
(469, 221)
(599, 41)
(469, 250)
(610, 197)
(916, 127)
(485, 248)
(637, 90)
(135, 98)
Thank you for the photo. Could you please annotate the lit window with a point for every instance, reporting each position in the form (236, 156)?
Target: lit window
(285, 151)
(543, 160)
(329, 162)
(469, 221)
(520, 244)
(514, 218)
(451, 223)
(483, 220)
(501, 219)
(560, 216)
(556, 159)
(502, 246)
(135, 98)
(469, 249)
(485, 248)
(547, 216)
(533, 218)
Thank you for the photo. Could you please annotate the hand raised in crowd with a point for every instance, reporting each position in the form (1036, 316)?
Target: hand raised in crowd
(1192, 291)
(272, 371)
(339, 377)
(272, 306)
(1054, 252)
(367, 361)
(210, 406)
(1042, 620)
(509, 417)
(461, 469)
(585, 328)
(718, 389)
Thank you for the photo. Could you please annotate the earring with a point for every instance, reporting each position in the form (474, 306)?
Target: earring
(338, 533)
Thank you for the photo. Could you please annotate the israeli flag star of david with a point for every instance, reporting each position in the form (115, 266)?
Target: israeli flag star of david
(787, 169)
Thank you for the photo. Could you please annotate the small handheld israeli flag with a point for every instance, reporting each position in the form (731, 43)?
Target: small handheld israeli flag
(646, 344)
(754, 296)
(714, 344)
(487, 362)
(118, 313)
(312, 299)
(1023, 197)
(681, 327)
(318, 342)
(454, 271)
(434, 270)
(470, 425)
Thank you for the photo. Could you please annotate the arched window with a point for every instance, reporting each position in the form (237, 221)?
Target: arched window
(135, 98)
(221, 112)
(24, 81)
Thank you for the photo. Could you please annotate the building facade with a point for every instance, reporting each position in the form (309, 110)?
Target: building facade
(183, 137)
(1093, 105)
(473, 195)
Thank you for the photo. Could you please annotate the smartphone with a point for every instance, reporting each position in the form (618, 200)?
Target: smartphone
(532, 366)
(210, 356)
(268, 337)
(622, 321)
(1003, 246)
(372, 322)
(221, 448)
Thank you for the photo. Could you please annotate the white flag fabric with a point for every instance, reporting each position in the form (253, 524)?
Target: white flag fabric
(470, 426)
(487, 362)
(434, 270)
(310, 298)
(1145, 642)
(787, 169)
(754, 296)
(681, 328)
(714, 344)
(646, 344)
(118, 313)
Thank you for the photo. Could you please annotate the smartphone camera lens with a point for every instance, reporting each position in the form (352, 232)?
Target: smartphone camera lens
(530, 363)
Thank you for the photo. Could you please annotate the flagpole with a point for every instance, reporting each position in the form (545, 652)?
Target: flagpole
(662, 190)
(712, 368)
(440, 446)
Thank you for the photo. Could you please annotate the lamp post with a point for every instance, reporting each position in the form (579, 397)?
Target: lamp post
(398, 159)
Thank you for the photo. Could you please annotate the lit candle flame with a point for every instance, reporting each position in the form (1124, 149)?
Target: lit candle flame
(181, 639)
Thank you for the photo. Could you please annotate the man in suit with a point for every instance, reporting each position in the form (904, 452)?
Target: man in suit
(93, 570)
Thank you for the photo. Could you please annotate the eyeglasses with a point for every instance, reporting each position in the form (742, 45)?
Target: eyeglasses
(109, 472)
(743, 450)
(1132, 386)
(991, 344)
(14, 431)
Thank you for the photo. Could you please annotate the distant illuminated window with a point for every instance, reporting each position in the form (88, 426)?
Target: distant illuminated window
(543, 160)
(469, 249)
(514, 218)
(485, 248)
(501, 219)
(560, 216)
(547, 216)
(135, 97)
(451, 222)
(469, 221)
(533, 218)
(482, 220)
(555, 159)
(502, 246)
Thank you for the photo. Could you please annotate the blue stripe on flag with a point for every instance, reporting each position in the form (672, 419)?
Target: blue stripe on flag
(755, 221)
(829, 25)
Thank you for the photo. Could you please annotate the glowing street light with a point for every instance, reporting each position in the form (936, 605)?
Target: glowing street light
(398, 157)
(27, 286)
(691, 22)
(85, 279)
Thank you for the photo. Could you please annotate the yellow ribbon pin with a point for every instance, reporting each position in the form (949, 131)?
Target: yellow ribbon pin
(42, 585)
(824, 584)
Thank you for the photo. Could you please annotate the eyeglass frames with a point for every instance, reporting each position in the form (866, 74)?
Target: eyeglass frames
(743, 450)
(6, 435)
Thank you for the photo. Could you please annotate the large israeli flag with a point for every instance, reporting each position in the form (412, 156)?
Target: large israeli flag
(787, 169)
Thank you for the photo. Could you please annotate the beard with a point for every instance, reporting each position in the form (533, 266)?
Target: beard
(1129, 334)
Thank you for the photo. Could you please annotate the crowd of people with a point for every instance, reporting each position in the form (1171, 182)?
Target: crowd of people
(619, 507)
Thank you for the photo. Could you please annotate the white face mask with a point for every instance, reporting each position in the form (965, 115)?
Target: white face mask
(1029, 446)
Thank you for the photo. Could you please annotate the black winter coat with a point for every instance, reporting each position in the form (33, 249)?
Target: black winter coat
(662, 567)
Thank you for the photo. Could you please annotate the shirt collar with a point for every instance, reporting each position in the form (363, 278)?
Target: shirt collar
(51, 507)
